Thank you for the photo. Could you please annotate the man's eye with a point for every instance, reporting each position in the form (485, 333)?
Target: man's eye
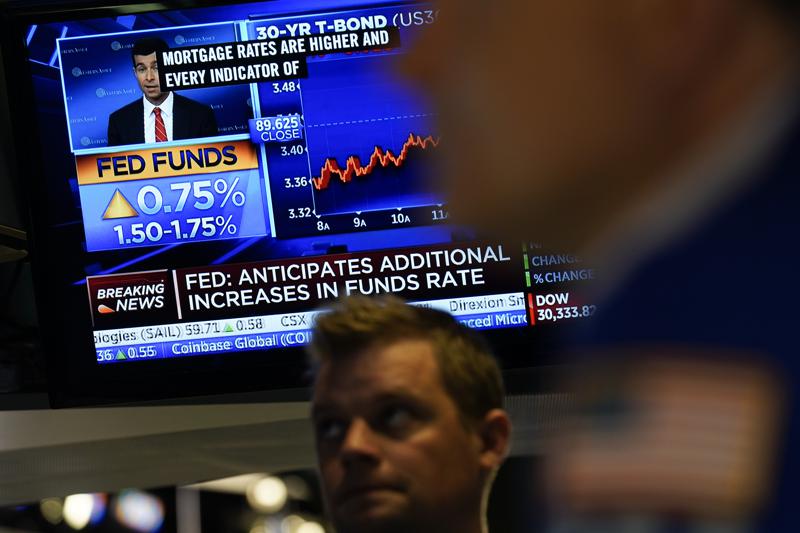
(330, 430)
(397, 418)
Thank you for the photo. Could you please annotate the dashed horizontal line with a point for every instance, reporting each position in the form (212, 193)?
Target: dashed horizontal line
(368, 120)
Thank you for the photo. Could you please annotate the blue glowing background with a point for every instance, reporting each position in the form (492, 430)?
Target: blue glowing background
(98, 79)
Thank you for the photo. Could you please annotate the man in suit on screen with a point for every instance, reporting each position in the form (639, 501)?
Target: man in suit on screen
(158, 116)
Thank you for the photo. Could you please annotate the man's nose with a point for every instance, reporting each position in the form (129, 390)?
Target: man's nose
(150, 75)
(359, 444)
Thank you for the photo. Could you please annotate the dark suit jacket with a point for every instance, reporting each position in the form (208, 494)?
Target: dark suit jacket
(191, 120)
(731, 284)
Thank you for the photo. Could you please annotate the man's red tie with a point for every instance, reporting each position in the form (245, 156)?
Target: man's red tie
(161, 130)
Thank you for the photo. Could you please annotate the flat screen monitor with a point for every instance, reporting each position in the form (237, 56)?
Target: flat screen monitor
(203, 179)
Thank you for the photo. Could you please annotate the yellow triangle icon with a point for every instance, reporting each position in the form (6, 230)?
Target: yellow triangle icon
(119, 207)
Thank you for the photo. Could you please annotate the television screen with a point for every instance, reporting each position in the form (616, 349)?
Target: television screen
(203, 180)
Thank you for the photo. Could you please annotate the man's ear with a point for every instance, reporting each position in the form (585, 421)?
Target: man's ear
(495, 438)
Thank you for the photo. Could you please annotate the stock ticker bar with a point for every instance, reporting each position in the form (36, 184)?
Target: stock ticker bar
(277, 331)
(257, 306)
(551, 280)
(262, 306)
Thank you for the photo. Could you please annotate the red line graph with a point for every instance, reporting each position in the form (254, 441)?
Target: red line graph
(379, 157)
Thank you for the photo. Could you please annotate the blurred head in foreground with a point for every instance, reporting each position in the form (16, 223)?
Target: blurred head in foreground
(661, 135)
(408, 417)
(579, 110)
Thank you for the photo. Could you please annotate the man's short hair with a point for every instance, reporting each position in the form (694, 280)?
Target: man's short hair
(146, 46)
(468, 370)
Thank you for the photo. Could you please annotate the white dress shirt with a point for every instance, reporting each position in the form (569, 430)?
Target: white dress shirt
(150, 118)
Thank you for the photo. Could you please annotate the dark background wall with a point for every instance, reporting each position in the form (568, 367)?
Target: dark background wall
(21, 360)
(9, 210)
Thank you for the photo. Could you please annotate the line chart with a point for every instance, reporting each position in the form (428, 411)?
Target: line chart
(366, 160)
(379, 158)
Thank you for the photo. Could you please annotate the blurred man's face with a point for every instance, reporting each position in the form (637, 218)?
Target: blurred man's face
(147, 75)
(394, 456)
(547, 106)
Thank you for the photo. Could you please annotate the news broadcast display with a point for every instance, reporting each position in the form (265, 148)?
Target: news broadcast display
(249, 164)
